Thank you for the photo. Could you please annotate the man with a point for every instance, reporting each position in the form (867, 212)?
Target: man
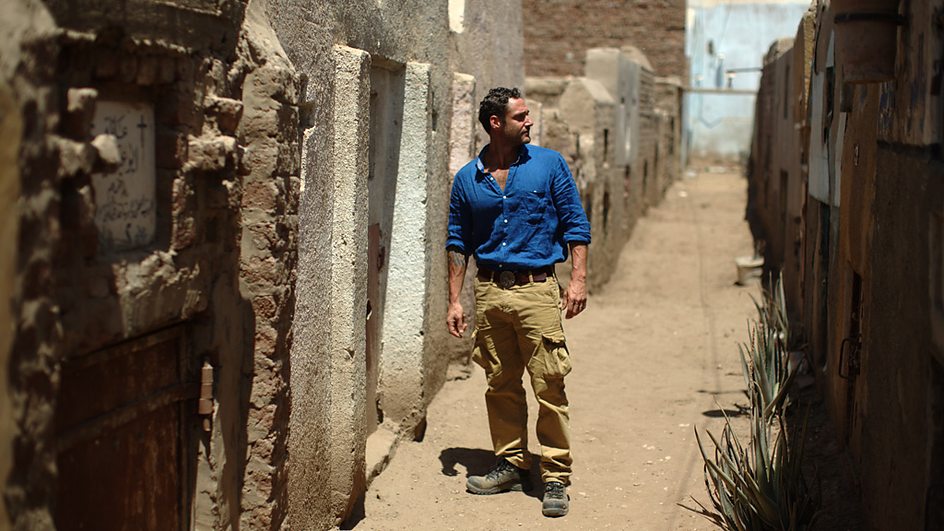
(517, 210)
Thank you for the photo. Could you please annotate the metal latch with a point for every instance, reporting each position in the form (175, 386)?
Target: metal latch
(854, 345)
(205, 403)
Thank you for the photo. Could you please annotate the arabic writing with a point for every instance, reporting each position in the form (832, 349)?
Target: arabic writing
(125, 204)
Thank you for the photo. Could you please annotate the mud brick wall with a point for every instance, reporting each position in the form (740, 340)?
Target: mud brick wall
(557, 34)
(221, 265)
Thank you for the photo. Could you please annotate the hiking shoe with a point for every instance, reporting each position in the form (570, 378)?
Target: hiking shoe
(556, 501)
(503, 477)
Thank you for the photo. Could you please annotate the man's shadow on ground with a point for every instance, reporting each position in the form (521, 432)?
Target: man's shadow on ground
(477, 462)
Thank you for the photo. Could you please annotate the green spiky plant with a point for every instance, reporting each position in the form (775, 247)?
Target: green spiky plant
(765, 362)
(760, 486)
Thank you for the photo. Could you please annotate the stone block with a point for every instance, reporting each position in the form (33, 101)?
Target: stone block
(74, 157)
(227, 113)
(211, 153)
(106, 148)
(80, 108)
(184, 234)
(464, 122)
(260, 194)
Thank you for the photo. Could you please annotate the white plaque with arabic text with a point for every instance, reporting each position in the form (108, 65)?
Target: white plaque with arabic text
(124, 199)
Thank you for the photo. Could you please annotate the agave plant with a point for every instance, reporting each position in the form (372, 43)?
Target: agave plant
(765, 360)
(760, 486)
(766, 368)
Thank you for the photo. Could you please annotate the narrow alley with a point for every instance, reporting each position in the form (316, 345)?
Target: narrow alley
(232, 233)
(671, 308)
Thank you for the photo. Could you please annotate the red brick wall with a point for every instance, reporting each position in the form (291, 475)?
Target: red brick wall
(557, 33)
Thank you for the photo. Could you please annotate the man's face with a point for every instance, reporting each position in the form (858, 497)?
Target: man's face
(517, 127)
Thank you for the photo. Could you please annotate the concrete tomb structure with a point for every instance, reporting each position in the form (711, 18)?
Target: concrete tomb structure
(846, 182)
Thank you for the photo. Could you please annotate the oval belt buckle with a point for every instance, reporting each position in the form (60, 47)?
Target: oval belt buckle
(506, 279)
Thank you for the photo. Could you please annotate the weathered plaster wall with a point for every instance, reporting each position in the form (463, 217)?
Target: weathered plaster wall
(778, 171)
(488, 44)
(871, 242)
(269, 138)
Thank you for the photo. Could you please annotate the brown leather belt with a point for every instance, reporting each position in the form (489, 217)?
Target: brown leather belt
(507, 279)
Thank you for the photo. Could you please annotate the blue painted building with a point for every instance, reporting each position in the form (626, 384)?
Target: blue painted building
(725, 43)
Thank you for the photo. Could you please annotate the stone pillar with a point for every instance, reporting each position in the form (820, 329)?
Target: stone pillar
(401, 365)
(611, 68)
(334, 417)
(348, 362)
(464, 122)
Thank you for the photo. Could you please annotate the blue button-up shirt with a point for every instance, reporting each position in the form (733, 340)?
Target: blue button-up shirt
(525, 226)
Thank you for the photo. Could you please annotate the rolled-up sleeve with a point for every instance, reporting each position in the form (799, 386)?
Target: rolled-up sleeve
(573, 220)
(460, 226)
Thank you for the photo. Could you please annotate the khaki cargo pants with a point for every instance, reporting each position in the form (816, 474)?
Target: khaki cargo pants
(518, 328)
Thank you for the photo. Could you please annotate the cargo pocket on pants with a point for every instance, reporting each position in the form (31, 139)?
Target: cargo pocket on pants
(556, 357)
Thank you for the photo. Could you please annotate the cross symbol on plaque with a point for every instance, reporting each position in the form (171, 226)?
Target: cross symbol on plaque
(142, 126)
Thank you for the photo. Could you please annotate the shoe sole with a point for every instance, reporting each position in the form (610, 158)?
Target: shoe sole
(556, 511)
(519, 487)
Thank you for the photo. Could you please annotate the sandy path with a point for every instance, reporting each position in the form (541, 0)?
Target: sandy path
(654, 355)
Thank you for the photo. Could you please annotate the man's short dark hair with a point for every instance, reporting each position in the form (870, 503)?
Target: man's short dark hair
(495, 104)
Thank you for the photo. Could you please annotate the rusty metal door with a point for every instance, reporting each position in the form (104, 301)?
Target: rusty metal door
(121, 424)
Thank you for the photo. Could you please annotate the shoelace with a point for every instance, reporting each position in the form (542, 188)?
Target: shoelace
(498, 470)
(554, 489)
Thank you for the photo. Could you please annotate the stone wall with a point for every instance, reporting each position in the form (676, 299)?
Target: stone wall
(558, 34)
(865, 159)
(618, 127)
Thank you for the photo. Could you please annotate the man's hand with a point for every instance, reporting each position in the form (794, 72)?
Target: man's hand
(575, 297)
(455, 320)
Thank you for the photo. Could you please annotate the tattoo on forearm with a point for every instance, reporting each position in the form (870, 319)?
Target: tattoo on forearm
(457, 259)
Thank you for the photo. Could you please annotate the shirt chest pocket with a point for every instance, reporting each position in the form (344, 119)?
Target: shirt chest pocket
(535, 205)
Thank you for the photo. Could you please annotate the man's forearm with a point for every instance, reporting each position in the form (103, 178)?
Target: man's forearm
(458, 262)
(578, 257)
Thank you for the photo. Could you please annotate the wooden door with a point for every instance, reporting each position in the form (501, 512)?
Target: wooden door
(120, 429)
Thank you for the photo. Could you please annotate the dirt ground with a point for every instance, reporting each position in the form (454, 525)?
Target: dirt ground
(655, 356)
